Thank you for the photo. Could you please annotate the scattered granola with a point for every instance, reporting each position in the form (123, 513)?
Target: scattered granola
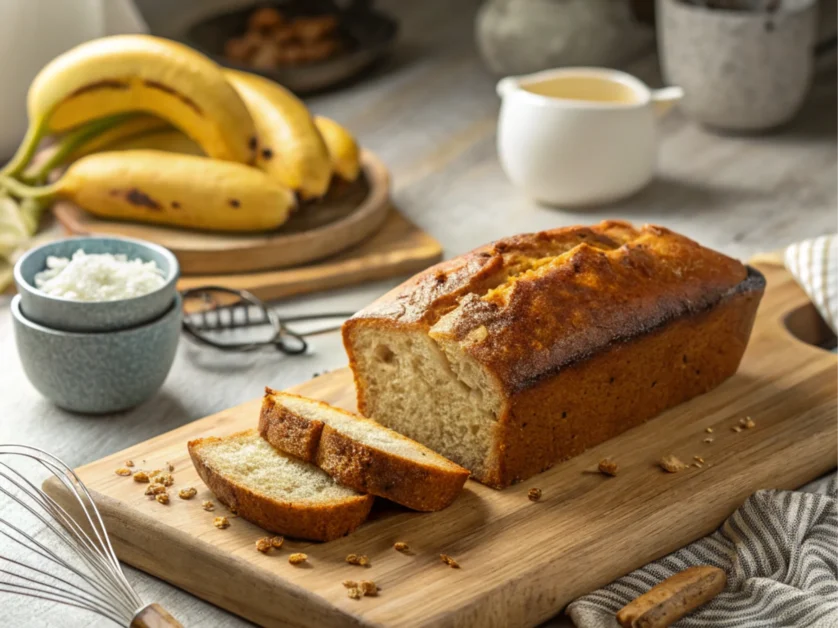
(296, 559)
(358, 559)
(123, 471)
(208, 505)
(166, 479)
(671, 464)
(368, 587)
(747, 423)
(607, 467)
(162, 498)
(401, 547)
(449, 561)
(709, 430)
(221, 523)
(141, 476)
(264, 545)
(350, 584)
(187, 493)
(170, 467)
(277, 541)
(129, 463)
(534, 494)
(155, 489)
(354, 593)
(708, 440)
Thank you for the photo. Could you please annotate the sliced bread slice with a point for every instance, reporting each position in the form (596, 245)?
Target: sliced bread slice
(360, 453)
(276, 491)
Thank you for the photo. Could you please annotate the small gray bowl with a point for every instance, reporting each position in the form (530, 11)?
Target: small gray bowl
(98, 373)
(93, 316)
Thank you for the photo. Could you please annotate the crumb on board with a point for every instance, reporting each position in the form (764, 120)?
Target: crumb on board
(142, 477)
(671, 464)
(709, 430)
(264, 545)
(221, 523)
(534, 494)
(187, 493)
(277, 541)
(747, 423)
(155, 489)
(449, 561)
(166, 479)
(368, 587)
(129, 463)
(698, 459)
(123, 472)
(361, 560)
(208, 505)
(162, 498)
(708, 440)
(607, 467)
(401, 547)
(736, 428)
(297, 559)
(350, 584)
(354, 593)
(170, 467)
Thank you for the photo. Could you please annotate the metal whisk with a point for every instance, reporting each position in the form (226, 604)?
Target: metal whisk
(72, 561)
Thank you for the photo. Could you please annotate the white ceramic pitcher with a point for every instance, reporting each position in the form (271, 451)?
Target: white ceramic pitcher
(580, 136)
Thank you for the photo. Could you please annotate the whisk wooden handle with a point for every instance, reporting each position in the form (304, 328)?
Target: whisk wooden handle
(154, 616)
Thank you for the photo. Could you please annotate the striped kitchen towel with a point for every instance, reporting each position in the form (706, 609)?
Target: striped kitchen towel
(780, 548)
(780, 552)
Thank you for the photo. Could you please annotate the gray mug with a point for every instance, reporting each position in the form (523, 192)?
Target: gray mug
(741, 70)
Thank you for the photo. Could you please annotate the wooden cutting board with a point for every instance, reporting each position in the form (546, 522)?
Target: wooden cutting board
(522, 562)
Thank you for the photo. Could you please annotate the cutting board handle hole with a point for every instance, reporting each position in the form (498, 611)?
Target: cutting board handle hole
(806, 324)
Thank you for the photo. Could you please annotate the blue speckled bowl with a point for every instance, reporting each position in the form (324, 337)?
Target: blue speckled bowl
(85, 316)
(98, 373)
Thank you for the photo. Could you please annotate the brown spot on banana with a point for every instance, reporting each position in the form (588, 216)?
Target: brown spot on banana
(171, 90)
(141, 199)
(175, 205)
(234, 203)
(253, 143)
(267, 153)
(104, 84)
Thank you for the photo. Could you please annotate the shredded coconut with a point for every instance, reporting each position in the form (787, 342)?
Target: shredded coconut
(98, 277)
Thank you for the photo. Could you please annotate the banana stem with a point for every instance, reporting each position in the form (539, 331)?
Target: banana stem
(22, 190)
(26, 149)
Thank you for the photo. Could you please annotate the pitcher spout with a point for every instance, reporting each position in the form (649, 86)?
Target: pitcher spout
(507, 85)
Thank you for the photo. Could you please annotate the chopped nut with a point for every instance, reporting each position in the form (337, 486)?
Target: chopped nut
(129, 463)
(166, 479)
(170, 467)
(608, 467)
(123, 471)
(363, 561)
(208, 505)
(709, 430)
(534, 494)
(264, 545)
(401, 547)
(449, 561)
(163, 498)
(354, 593)
(708, 440)
(277, 541)
(155, 489)
(350, 584)
(747, 423)
(141, 476)
(671, 464)
(296, 559)
(187, 493)
(698, 459)
(368, 588)
(358, 559)
(221, 523)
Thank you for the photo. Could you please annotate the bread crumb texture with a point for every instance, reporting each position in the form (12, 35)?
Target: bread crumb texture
(297, 559)
(608, 467)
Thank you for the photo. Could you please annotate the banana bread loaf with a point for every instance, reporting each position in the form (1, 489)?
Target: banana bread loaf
(531, 349)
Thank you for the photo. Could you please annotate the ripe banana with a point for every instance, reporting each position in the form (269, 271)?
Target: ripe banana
(291, 149)
(171, 189)
(124, 73)
(134, 126)
(343, 149)
(169, 140)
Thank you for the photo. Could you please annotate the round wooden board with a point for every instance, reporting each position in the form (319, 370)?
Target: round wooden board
(347, 215)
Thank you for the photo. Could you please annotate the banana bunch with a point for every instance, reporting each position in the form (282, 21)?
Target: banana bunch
(151, 130)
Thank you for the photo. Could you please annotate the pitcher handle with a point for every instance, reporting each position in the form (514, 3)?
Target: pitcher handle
(663, 99)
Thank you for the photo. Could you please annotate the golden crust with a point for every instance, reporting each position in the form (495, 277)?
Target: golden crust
(287, 431)
(421, 486)
(321, 522)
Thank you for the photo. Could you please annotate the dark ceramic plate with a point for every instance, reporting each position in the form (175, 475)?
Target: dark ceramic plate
(368, 35)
